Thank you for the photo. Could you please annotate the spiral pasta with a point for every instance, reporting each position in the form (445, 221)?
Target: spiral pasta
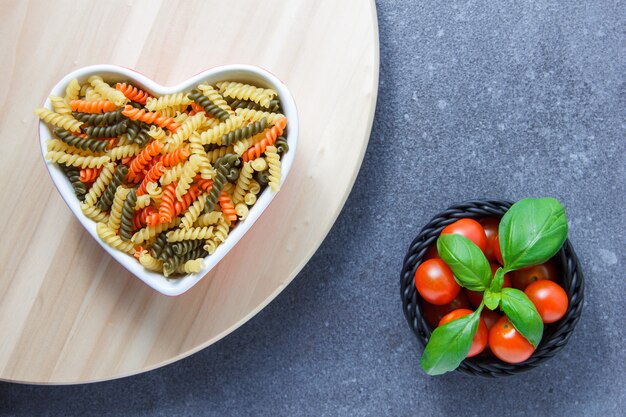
(273, 162)
(133, 93)
(166, 178)
(168, 100)
(241, 91)
(64, 121)
(106, 91)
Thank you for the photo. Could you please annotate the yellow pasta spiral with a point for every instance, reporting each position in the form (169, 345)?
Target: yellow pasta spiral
(94, 213)
(60, 146)
(241, 91)
(213, 95)
(242, 211)
(60, 157)
(249, 199)
(106, 91)
(150, 262)
(251, 116)
(72, 91)
(155, 192)
(214, 135)
(168, 100)
(221, 230)
(192, 266)
(187, 234)
(210, 245)
(255, 187)
(113, 240)
(215, 154)
(190, 168)
(209, 219)
(60, 105)
(100, 184)
(149, 232)
(121, 152)
(116, 208)
(193, 211)
(157, 133)
(172, 174)
(243, 182)
(273, 162)
(184, 132)
(64, 121)
(174, 111)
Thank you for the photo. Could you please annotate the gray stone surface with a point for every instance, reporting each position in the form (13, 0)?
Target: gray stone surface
(477, 99)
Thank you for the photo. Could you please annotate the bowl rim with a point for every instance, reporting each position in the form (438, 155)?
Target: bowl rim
(231, 72)
(559, 332)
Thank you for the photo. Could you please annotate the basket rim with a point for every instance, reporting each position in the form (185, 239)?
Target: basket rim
(558, 333)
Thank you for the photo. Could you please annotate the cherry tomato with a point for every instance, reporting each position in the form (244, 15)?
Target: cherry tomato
(497, 251)
(480, 338)
(490, 225)
(522, 278)
(507, 344)
(431, 253)
(490, 317)
(469, 228)
(476, 297)
(549, 299)
(435, 282)
(434, 313)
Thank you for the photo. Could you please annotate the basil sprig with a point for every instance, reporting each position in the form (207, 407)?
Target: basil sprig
(530, 233)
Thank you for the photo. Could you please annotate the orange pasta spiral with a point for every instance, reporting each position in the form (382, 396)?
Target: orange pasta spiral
(135, 171)
(176, 157)
(166, 209)
(204, 184)
(258, 148)
(192, 194)
(89, 174)
(151, 176)
(132, 92)
(140, 217)
(150, 117)
(96, 106)
(228, 208)
(196, 108)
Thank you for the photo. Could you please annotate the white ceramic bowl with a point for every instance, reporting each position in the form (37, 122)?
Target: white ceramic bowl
(112, 74)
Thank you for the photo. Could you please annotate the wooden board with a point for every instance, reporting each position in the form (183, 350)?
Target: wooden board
(68, 312)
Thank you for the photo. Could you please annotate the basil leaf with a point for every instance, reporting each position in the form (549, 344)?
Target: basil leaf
(523, 314)
(531, 232)
(466, 260)
(449, 344)
(491, 299)
(498, 280)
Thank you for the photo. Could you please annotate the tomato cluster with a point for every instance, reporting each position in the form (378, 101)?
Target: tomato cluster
(444, 300)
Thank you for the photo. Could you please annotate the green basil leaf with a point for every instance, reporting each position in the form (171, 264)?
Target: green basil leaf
(466, 260)
(531, 232)
(523, 314)
(449, 344)
(498, 280)
(491, 299)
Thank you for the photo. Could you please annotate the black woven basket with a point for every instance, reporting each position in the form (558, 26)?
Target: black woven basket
(556, 334)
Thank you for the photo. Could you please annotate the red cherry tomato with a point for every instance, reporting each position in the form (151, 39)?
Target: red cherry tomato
(490, 225)
(469, 228)
(435, 282)
(490, 317)
(497, 251)
(434, 313)
(522, 278)
(432, 253)
(507, 344)
(480, 338)
(476, 297)
(549, 299)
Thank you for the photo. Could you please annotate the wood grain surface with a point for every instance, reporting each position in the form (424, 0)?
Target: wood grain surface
(68, 312)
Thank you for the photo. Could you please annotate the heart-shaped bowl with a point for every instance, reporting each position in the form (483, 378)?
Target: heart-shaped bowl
(112, 74)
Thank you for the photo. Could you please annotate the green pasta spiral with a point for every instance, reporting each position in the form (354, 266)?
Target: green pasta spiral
(159, 244)
(107, 131)
(244, 132)
(208, 105)
(186, 246)
(119, 177)
(82, 143)
(262, 177)
(171, 263)
(128, 211)
(251, 105)
(142, 137)
(233, 174)
(223, 167)
(132, 129)
(281, 145)
(73, 174)
(94, 119)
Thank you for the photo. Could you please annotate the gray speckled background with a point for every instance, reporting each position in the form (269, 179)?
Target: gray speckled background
(477, 99)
